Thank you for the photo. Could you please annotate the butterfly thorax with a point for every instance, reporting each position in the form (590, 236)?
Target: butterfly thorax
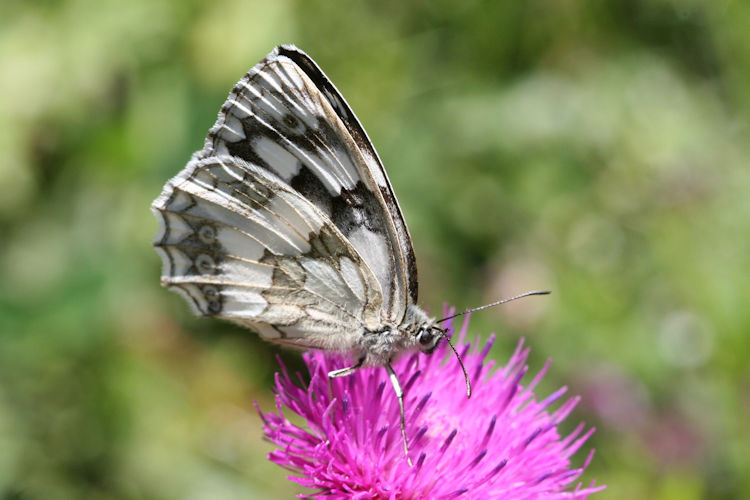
(386, 343)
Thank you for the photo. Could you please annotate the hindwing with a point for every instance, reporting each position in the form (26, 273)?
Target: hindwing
(237, 242)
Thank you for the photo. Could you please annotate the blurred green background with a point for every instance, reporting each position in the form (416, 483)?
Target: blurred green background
(598, 149)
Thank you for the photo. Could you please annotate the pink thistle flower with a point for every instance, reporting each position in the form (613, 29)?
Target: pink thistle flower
(501, 443)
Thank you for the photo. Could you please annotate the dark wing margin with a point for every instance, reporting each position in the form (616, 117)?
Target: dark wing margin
(347, 116)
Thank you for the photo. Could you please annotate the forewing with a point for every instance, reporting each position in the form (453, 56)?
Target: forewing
(238, 243)
(287, 117)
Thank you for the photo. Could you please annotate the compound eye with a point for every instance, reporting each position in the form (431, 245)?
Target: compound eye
(425, 338)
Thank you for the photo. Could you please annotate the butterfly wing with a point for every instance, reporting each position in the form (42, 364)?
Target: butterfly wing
(288, 118)
(237, 242)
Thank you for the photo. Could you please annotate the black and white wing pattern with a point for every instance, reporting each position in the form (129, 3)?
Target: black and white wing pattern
(237, 242)
(286, 222)
(286, 117)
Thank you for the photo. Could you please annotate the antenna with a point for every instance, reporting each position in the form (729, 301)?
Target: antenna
(545, 292)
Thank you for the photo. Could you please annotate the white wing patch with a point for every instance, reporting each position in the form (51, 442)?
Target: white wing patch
(238, 243)
(272, 153)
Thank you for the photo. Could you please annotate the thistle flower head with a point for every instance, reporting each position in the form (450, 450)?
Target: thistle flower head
(501, 443)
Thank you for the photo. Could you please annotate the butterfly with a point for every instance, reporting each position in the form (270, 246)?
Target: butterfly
(286, 223)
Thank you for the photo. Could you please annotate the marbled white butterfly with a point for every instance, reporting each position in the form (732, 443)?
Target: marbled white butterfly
(285, 222)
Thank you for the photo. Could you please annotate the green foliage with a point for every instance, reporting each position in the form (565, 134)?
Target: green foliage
(598, 149)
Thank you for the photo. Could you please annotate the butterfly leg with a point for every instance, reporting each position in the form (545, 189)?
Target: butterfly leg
(400, 395)
(342, 372)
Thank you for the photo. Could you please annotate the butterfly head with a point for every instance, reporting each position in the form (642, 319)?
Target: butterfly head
(428, 337)
(424, 331)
